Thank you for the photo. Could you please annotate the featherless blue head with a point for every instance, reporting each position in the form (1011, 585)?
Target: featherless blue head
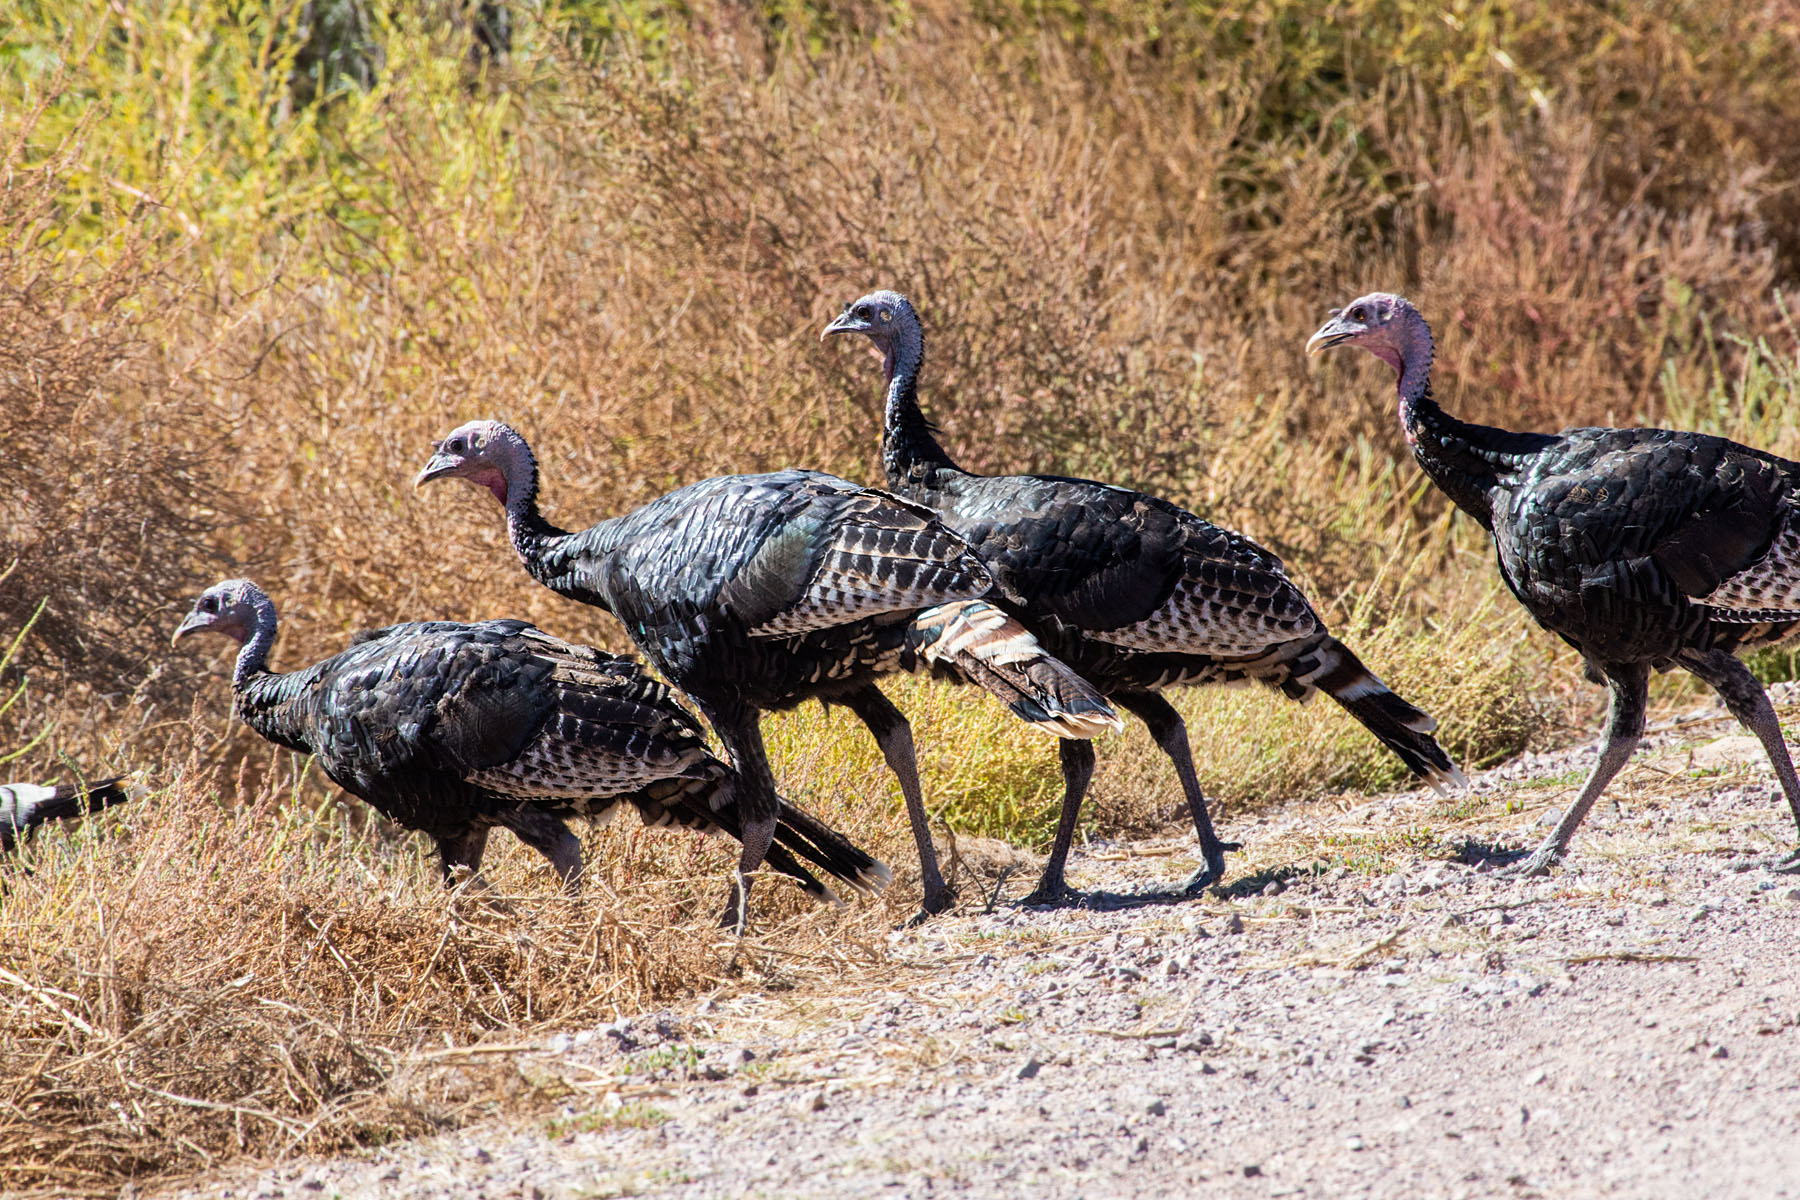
(882, 316)
(232, 607)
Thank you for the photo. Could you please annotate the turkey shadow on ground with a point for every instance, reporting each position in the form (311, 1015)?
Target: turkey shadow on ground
(1173, 893)
(1485, 856)
(1102, 900)
(1257, 882)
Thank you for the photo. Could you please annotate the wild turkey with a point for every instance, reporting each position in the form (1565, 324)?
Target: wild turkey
(1645, 549)
(25, 806)
(1132, 592)
(452, 729)
(758, 592)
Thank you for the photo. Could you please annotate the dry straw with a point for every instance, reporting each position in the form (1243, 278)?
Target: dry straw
(235, 320)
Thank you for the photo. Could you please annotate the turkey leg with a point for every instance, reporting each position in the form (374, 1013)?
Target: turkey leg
(1078, 770)
(1630, 683)
(1749, 703)
(741, 732)
(1170, 732)
(893, 733)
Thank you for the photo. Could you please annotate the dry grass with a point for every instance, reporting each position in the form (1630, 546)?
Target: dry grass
(110, 500)
(234, 323)
(208, 976)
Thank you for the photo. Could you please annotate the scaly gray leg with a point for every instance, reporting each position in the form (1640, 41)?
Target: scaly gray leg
(549, 836)
(741, 731)
(1749, 703)
(758, 837)
(1170, 732)
(893, 733)
(1630, 683)
(464, 851)
(1078, 770)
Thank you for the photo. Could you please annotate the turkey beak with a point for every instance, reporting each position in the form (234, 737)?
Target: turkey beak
(437, 468)
(845, 323)
(192, 623)
(1329, 335)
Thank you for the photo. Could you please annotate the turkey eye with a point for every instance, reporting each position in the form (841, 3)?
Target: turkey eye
(862, 314)
(209, 604)
(456, 446)
(1358, 314)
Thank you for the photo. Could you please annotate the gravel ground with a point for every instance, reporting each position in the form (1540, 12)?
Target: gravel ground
(1369, 1010)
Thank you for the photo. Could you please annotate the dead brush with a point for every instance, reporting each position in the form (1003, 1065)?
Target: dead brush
(223, 974)
(109, 504)
(1120, 229)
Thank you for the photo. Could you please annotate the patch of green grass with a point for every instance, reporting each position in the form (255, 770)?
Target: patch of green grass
(984, 773)
(681, 1056)
(759, 1069)
(625, 1116)
(1459, 808)
(1375, 853)
(1565, 779)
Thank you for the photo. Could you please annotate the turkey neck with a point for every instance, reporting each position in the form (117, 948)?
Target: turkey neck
(1468, 462)
(547, 549)
(532, 536)
(910, 453)
(265, 698)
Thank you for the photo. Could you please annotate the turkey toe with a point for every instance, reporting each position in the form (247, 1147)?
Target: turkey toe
(1789, 865)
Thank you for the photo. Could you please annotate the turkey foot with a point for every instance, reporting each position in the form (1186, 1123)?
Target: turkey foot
(1784, 866)
(1537, 864)
(937, 899)
(1213, 871)
(1052, 893)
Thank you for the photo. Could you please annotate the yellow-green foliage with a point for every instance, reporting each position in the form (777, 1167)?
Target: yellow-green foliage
(246, 275)
(188, 109)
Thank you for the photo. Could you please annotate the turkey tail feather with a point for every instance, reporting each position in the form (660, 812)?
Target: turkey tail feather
(984, 645)
(798, 836)
(1401, 727)
(808, 837)
(24, 806)
(781, 859)
(73, 801)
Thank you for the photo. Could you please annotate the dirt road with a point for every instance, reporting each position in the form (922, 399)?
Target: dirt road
(1364, 1014)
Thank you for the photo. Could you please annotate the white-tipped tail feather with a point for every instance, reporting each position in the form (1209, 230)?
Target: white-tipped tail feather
(707, 802)
(981, 643)
(1401, 727)
(25, 806)
(799, 833)
(1080, 726)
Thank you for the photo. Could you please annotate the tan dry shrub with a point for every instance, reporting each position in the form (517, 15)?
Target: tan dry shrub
(270, 977)
(638, 274)
(1121, 222)
(112, 495)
